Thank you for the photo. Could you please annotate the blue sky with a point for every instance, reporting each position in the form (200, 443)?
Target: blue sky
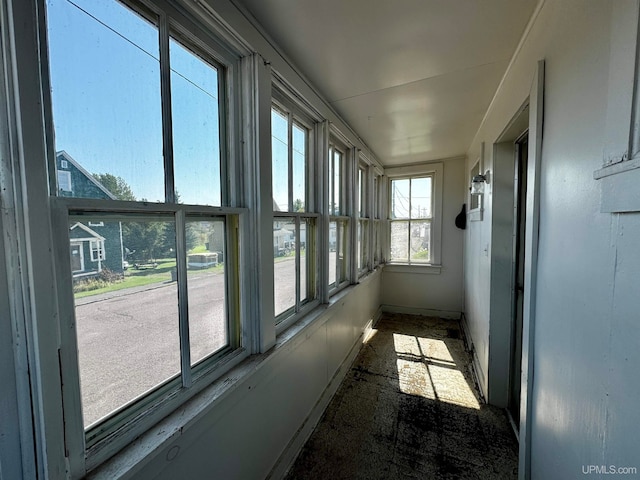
(279, 149)
(105, 82)
(419, 189)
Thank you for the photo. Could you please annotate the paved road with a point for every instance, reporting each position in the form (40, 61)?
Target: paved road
(128, 341)
(129, 344)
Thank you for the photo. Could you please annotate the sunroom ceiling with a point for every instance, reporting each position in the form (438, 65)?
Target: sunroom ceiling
(412, 77)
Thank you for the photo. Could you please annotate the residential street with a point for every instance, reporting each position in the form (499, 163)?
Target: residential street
(128, 340)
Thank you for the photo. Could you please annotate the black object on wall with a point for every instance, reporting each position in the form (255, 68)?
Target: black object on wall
(461, 218)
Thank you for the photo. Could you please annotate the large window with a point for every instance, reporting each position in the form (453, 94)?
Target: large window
(138, 110)
(363, 230)
(339, 220)
(376, 235)
(294, 224)
(411, 211)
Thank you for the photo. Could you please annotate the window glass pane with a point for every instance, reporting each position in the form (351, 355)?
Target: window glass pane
(284, 268)
(376, 242)
(206, 286)
(299, 168)
(336, 206)
(361, 192)
(196, 127)
(126, 309)
(399, 241)
(421, 197)
(376, 201)
(359, 245)
(333, 244)
(105, 90)
(64, 181)
(280, 161)
(420, 241)
(400, 198)
(331, 186)
(363, 244)
(306, 228)
(342, 251)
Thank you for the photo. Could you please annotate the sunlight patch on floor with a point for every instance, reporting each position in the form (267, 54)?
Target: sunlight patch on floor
(427, 369)
(368, 335)
(413, 379)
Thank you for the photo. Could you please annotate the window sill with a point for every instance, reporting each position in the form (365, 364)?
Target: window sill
(618, 183)
(616, 168)
(429, 269)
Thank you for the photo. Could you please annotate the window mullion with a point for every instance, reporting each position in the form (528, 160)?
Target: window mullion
(183, 303)
(167, 122)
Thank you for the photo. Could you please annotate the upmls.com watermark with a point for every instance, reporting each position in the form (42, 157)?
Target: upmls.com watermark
(608, 470)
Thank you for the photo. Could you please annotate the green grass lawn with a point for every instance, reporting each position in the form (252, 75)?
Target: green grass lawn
(288, 256)
(137, 278)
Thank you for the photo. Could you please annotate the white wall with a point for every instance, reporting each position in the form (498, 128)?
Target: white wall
(431, 293)
(242, 435)
(586, 356)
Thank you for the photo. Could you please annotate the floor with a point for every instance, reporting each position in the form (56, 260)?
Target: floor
(409, 409)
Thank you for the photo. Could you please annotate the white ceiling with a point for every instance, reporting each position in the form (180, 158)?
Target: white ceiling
(412, 77)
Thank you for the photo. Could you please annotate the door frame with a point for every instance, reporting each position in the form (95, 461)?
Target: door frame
(528, 117)
(518, 248)
(80, 245)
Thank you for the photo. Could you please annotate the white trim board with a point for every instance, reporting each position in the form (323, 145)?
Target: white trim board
(426, 312)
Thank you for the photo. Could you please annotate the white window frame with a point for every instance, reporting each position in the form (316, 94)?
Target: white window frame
(300, 114)
(81, 246)
(64, 180)
(345, 215)
(433, 170)
(377, 185)
(97, 250)
(87, 450)
(363, 213)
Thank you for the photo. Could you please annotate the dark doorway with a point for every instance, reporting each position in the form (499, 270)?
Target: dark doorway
(520, 203)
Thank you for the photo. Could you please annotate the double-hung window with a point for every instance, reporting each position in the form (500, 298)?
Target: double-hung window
(140, 107)
(364, 221)
(339, 220)
(376, 241)
(294, 223)
(97, 250)
(411, 214)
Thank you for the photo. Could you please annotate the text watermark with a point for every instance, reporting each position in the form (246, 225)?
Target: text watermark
(608, 470)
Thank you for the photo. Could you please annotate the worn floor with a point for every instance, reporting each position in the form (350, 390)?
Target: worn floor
(408, 409)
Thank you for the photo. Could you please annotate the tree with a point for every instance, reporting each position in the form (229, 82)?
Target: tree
(118, 187)
(298, 205)
(168, 244)
(143, 239)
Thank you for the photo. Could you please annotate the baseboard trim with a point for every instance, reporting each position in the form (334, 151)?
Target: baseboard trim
(377, 317)
(475, 365)
(422, 311)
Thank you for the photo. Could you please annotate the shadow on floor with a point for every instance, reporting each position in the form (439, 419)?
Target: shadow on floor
(408, 408)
